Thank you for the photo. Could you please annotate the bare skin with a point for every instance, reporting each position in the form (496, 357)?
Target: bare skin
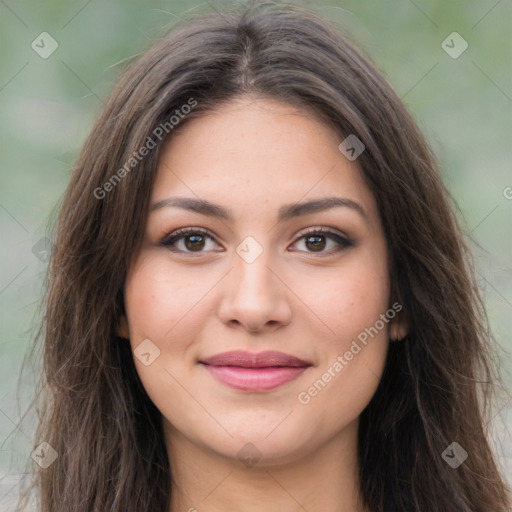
(303, 295)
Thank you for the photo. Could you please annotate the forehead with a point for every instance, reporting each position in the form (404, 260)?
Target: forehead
(254, 153)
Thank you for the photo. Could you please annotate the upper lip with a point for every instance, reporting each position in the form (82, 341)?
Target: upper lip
(254, 360)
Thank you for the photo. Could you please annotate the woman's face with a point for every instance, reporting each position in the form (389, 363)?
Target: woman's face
(259, 277)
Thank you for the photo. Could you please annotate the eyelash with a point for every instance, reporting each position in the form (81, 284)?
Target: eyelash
(182, 233)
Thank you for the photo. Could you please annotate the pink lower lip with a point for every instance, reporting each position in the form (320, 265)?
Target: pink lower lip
(255, 379)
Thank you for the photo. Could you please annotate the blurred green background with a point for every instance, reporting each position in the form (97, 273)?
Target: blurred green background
(463, 104)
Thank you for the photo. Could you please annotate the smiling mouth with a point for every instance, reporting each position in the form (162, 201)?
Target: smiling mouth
(254, 372)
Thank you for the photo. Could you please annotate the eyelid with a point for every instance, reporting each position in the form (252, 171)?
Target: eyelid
(322, 229)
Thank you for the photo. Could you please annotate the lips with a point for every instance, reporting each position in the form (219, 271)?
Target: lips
(247, 371)
(266, 359)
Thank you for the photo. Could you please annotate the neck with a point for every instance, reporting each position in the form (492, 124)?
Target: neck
(324, 478)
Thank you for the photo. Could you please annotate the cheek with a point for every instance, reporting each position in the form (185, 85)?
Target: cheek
(164, 306)
(349, 372)
(353, 356)
(159, 303)
(352, 298)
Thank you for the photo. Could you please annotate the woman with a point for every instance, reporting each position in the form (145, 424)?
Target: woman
(259, 298)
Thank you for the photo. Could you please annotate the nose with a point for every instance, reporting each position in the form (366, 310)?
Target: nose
(254, 296)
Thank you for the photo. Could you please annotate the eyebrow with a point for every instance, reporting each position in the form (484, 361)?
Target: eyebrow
(286, 212)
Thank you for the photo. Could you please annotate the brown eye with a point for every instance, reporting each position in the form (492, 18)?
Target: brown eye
(189, 240)
(317, 240)
(194, 242)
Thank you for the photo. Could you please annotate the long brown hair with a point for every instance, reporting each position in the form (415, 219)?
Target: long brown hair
(437, 384)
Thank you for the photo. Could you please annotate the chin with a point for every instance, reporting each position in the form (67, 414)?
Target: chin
(267, 443)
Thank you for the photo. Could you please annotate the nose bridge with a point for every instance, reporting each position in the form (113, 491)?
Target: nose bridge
(254, 296)
(252, 275)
